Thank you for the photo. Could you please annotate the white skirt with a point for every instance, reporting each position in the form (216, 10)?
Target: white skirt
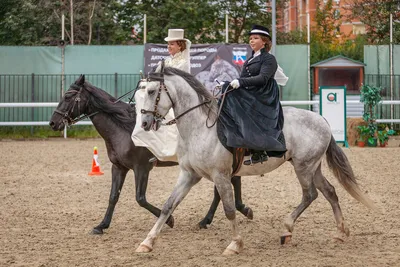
(162, 143)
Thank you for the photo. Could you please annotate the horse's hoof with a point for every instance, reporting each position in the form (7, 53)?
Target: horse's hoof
(234, 248)
(286, 238)
(143, 249)
(97, 231)
(249, 214)
(170, 222)
(340, 237)
(202, 225)
(230, 252)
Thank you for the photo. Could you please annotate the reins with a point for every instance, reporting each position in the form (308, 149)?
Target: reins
(159, 76)
(68, 120)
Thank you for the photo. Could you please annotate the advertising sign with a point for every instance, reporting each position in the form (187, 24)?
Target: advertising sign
(332, 106)
(210, 62)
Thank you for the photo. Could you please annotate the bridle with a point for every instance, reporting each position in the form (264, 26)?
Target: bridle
(77, 89)
(156, 114)
(67, 119)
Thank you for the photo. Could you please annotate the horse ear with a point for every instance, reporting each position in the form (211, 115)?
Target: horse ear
(81, 80)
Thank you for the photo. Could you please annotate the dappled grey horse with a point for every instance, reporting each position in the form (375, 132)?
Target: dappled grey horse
(201, 154)
(115, 120)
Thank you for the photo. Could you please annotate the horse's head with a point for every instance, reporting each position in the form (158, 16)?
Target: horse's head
(72, 105)
(156, 100)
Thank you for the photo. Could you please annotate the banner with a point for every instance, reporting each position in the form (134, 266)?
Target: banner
(333, 109)
(221, 62)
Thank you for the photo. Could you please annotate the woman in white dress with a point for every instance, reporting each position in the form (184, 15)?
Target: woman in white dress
(163, 143)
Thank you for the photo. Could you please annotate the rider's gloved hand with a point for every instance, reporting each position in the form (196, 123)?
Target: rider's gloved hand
(235, 83)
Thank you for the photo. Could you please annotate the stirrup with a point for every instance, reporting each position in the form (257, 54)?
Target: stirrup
(153, 159)
(261, 158)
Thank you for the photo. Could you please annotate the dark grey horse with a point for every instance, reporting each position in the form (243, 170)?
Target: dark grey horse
(115, 120)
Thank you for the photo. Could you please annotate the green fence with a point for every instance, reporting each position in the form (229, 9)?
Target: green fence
(47, 88)
(384, 81)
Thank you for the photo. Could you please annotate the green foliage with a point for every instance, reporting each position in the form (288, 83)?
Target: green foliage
(327, 21)
(363, 132)
(293, 37)
(391, 132)
(383, 137)
(375, 15)
(372, 141)
(38, 22)
(203, 21)
(370, 96)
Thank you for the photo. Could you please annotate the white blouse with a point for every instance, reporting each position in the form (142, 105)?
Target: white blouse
(180, 60)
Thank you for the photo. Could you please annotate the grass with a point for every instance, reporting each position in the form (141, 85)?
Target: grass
(43, 132)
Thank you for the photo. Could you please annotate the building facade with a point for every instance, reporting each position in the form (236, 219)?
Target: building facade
(293, 16)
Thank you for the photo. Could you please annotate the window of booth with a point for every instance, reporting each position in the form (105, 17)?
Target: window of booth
(339, 77)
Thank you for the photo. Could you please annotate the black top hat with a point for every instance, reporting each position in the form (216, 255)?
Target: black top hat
(261, 30)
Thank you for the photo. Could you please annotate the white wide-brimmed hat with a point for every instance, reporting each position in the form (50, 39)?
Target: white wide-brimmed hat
(175, 35)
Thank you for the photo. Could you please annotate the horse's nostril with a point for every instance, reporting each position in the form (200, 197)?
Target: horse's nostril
(51, 124)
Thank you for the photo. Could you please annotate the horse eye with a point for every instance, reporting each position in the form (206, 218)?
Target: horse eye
(151, 92)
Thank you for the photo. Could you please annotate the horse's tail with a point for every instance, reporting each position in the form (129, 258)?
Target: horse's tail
(340, 166)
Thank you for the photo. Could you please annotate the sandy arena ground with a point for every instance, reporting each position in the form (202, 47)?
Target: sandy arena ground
(49, 205)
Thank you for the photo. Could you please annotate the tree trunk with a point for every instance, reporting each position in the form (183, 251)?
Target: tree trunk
(90, 23)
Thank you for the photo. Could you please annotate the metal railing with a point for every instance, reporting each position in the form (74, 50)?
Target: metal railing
(31, 98)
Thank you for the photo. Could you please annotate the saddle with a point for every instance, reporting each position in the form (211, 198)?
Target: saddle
(240, 153)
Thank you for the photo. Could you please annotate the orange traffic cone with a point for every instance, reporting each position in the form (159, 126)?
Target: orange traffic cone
(95, 164)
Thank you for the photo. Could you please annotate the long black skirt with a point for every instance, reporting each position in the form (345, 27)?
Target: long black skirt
(253, 118)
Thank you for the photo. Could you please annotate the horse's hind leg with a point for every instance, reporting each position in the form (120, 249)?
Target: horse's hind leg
(237, 188)
(305, 176)
(330, 194)
(240, 206)
(211, 212)
(225, 190)
(118, 179)
(141, 180)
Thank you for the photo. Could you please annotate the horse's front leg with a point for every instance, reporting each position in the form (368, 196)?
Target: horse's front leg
(118, 178)
(223, 184)
(141, 180)
(185, 182)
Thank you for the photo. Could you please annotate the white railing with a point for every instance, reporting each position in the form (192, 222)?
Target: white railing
(284, 103)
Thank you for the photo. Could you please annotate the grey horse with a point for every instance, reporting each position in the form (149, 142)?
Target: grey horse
(308, 138)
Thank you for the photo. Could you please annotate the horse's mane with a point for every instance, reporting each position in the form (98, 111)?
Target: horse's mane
(121, 113)
(198, 87)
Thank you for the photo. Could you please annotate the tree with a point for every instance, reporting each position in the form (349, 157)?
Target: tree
(23, 22)
(203, 21)
(328, 22)
(38, 22)
(375, 15)
(242, 15)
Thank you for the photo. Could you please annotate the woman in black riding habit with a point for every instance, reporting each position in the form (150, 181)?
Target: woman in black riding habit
(252, 115)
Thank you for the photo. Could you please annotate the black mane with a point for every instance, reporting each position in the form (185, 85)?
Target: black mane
(121, 113)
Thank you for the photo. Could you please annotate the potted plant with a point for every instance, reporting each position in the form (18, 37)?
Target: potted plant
(363, 132)
(370, 96)
(383, 138)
